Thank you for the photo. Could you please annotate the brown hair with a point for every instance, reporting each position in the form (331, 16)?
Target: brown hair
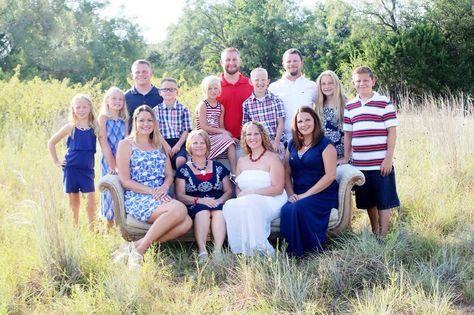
(140, 62)
(318, 131)
(266, 142)
(292, 51)
(362, 70)
(203, 134)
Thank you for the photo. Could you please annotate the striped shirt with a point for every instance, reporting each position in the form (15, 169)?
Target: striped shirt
(266, 111)
(173, 120)
(368, 121)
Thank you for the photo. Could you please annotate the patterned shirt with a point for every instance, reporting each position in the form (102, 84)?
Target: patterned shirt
(173, 120)
(266, 111)
(368, 121)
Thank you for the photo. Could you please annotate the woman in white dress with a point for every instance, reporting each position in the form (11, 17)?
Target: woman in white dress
(260, 193)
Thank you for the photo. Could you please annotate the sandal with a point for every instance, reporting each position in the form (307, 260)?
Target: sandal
(135, 259)
(121, 252)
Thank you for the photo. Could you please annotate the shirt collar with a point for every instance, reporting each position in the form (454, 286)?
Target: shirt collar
(153, 90)
(267, 95)
(241, 80)
(163, 105)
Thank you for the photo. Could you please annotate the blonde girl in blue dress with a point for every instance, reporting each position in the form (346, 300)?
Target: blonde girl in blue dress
(145, 173)
(78, 164)
(330, 108)
(113, 123)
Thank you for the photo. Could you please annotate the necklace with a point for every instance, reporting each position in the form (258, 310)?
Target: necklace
(258, 158)
(306, 146)
(201, 170)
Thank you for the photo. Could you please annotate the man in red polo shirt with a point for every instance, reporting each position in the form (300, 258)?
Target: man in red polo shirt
(235, 90)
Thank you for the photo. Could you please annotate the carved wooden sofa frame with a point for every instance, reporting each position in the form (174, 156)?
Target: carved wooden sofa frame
(340, 220)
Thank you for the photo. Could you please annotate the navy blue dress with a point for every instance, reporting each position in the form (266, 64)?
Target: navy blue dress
(78, 173)
(195, 187)
(303, 224)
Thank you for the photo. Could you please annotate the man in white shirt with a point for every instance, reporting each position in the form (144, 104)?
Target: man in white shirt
(293, 88)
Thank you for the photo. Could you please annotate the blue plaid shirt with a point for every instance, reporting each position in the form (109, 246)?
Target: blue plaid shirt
(266, 111)
(173, 120)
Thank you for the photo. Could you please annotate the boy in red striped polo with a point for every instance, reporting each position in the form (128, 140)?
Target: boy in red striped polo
(370, 134)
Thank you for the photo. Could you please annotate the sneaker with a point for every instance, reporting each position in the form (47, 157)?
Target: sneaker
(135, 259)
(203, 257)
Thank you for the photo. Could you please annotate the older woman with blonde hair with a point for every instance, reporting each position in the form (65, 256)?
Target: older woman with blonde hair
(260, 193)
(203, 186)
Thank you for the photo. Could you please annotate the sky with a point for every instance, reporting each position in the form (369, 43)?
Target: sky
(153, 16)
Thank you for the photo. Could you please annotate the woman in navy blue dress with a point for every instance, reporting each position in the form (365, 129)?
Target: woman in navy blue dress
(310, 167)
(203, 186)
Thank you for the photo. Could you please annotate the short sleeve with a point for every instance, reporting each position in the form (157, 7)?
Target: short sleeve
(182, 172)
(221, 170)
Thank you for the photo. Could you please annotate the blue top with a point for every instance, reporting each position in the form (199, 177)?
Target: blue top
(308, 169)
(115, 129)
(135, 99)
(81, 148)
(333, 130)
(208, 188)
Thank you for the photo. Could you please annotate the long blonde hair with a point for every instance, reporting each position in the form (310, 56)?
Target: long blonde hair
(104, 109)
(266, 142)
(339, 96)
(155, 136)
(92, 121)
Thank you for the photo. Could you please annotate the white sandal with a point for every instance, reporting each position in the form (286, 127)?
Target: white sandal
(121, 252)
(135, 259)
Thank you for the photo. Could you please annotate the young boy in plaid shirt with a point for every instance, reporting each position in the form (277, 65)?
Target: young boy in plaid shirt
(175, 122)
(266, 108)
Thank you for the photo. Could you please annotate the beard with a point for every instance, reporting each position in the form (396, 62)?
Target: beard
(231, 72)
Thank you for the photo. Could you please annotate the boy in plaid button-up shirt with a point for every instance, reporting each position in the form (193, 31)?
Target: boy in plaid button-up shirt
(175, 122)
(266, 108)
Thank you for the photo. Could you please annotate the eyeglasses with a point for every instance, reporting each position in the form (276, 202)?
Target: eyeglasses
(168, 89)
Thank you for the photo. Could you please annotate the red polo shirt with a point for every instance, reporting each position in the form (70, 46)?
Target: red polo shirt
(232, 97)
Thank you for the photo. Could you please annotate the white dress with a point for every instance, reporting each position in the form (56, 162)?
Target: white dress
(248, 218)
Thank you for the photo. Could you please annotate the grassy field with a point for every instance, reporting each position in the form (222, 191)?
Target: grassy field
(426, 267)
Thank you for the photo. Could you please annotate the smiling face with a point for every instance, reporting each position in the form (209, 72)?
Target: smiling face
(81, 109)
(259, 81)
(305, 124)
(198, 146)
(141, 75)
(292, 64)
(145, 123)
(169, 91)
(363, 84)
(253, 137)
(213, 91)
(115, 101)
(230, 61)
(327, 85)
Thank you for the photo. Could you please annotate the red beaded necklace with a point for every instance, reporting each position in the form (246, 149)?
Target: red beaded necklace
(258, 158)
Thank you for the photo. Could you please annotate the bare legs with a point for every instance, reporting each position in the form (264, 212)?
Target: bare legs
(379, 220)
(75, 204)
(213, 219)
(231, 155)
(170, 220)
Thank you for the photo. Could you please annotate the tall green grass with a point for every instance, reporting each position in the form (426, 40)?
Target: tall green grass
(426, 266)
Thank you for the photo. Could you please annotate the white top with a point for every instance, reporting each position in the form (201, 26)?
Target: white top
(294, 94)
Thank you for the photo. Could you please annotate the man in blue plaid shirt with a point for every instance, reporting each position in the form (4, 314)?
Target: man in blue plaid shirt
(175, 122)
(266, 108)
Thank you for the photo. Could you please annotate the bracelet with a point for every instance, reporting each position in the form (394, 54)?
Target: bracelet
(196, 200)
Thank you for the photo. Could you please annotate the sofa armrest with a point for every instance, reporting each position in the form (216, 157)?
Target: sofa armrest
(112, 184)
(347, 176)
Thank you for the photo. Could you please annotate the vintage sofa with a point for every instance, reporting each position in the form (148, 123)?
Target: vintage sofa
(131, 229)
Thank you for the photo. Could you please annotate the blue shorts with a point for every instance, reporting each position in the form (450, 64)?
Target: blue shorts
(182, 151)
(78, 180)
(378, 191)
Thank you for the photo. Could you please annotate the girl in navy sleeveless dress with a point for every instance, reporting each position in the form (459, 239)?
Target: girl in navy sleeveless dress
(113, 122)
(210, 118)
(310, 166)
(78, 164)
